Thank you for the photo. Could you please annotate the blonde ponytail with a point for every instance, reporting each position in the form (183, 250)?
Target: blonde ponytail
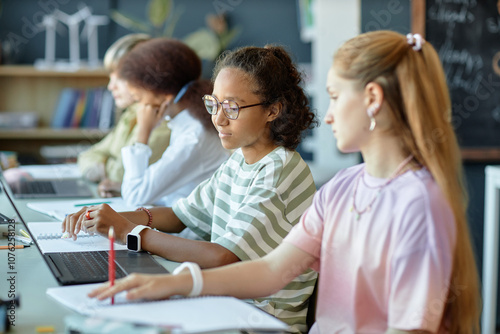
(415, 89)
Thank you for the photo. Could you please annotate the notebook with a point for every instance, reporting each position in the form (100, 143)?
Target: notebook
(212, 314)
(50, 187)
(76, 262)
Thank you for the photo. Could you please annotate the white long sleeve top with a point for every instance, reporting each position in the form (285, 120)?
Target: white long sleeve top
(193, 155)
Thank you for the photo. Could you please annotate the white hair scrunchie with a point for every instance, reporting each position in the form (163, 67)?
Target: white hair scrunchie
(415, 40)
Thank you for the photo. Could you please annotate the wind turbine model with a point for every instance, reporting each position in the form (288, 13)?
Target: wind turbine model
(90, 29)
(51, 25)
(73, 22)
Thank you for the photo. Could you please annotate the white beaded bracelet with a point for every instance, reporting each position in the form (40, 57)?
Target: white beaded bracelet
(195, 271)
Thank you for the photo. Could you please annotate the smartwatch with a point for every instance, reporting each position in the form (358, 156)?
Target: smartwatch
(134, 238)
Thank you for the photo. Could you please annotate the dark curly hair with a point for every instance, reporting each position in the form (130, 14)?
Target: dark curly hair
(278, 81)
(164, 66)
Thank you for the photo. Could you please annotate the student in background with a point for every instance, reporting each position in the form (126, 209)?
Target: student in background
(254, 199)
(389, 236)
(163, 76)
(102, 162)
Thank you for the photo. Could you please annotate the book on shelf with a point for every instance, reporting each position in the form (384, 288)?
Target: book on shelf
(84, 108)
(106, 114)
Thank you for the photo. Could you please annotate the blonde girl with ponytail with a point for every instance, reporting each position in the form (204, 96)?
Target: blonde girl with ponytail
(419, 111)
(388, 237)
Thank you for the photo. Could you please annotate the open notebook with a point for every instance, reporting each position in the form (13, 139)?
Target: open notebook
(48, 238)
(190, 315)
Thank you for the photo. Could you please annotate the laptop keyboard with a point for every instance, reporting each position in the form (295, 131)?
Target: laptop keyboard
(38, 187)
(91, 266)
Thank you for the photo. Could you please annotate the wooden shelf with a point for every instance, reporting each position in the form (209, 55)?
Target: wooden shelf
(25, 88)
(30, 71)
(481, 154)
(52, 134)
(29, 142)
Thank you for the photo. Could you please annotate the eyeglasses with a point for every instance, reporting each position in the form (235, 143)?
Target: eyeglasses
(231, 109)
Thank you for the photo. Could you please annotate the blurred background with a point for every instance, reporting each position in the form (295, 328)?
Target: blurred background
(310, 29)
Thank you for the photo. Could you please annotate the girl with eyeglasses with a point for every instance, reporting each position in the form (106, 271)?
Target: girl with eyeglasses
(388, 236)
(253, 200)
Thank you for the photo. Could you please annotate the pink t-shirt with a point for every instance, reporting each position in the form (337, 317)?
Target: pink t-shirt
(388, 269)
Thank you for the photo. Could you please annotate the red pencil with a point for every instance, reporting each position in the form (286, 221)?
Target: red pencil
(111, 259)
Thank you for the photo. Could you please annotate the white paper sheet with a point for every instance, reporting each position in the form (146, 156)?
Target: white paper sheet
(192, 315)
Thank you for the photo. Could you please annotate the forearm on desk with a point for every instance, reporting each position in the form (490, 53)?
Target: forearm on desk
(164, 219)
(258, 278)
(206, 254)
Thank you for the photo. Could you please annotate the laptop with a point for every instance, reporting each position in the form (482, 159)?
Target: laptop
(50, 188)
(71, 268)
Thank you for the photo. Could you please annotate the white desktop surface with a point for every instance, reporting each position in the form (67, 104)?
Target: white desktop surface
(33, 277)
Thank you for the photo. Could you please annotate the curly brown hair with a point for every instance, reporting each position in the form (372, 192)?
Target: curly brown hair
(165, 66)
(278, 81)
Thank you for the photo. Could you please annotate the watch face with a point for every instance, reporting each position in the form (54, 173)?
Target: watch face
(132, 242)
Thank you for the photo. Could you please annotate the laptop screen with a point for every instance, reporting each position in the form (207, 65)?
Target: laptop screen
(52, 183)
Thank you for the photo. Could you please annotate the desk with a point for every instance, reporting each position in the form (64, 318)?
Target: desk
(33, 277)
(490, 248)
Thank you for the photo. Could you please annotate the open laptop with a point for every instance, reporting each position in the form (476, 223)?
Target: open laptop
(92, 266)
(50, 188)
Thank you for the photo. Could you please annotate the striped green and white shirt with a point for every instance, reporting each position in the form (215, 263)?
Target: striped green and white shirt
(249, 209)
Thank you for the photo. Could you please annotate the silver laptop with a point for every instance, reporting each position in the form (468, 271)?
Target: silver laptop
(50, 188)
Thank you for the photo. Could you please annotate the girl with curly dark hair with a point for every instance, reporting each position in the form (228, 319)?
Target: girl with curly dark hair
(163, 76)
(277, 83)
(253, 200)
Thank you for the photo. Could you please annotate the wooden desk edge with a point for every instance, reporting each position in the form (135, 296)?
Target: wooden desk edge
(481, 154)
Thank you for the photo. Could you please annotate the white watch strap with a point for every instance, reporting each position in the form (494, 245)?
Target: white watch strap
(195, 271)
(138, 229)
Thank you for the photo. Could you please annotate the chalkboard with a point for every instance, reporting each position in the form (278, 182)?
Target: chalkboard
(466, 34)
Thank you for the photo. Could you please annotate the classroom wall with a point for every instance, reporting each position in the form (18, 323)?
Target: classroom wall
(336, 21)
(262, 22)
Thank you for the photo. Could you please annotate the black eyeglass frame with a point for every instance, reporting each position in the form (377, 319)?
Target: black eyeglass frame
(227, 102)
